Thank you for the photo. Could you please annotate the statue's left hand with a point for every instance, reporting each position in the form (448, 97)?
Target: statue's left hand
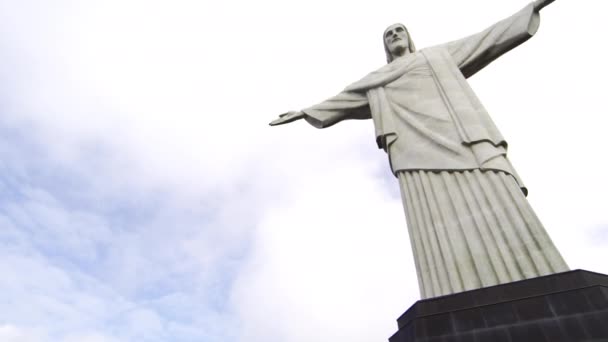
(287, 118)
(540, 4)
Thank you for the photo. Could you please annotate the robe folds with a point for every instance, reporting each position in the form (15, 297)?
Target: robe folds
(442, 143)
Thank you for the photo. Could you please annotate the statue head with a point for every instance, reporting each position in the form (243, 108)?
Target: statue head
(397, 42)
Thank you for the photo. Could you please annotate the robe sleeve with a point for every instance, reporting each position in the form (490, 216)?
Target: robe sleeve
(346, 105)
(473, 53)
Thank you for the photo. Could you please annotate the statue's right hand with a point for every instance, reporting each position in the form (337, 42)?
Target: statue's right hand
(287, 118)
(540, 4)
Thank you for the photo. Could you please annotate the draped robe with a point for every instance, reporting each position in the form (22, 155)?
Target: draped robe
(470, 225)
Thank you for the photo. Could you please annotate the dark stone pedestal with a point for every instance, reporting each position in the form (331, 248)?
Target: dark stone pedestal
(570, 306)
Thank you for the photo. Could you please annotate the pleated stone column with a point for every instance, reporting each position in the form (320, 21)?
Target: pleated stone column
(473, 229)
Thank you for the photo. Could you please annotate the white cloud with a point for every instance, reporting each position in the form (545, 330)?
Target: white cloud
(11, 333)
(89, 337)
(324, 263)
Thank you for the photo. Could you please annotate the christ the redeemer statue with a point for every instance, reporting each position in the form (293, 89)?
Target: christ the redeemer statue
(469, 222)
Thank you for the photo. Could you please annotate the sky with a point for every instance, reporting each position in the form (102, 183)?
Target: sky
(143, 197)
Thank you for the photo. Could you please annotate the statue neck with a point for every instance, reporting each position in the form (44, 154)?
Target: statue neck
(401, 53)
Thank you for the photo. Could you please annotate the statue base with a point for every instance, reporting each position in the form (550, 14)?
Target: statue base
(570, 306)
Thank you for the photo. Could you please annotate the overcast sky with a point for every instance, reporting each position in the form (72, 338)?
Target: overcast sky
(143, 197)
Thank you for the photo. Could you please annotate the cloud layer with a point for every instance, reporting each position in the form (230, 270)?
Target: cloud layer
(144, 198)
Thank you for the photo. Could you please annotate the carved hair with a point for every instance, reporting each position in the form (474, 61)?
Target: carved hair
(410, 43)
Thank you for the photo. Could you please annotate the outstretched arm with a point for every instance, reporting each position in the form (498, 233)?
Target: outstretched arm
(473, 53)
(346, 105)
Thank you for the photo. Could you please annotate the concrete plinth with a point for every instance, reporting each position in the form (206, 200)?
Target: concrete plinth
(570, 306)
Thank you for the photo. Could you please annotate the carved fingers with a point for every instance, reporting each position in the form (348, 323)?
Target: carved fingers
(540, 4)
(287, 118)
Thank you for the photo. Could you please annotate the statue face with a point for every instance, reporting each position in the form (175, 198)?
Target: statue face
(396, 39)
